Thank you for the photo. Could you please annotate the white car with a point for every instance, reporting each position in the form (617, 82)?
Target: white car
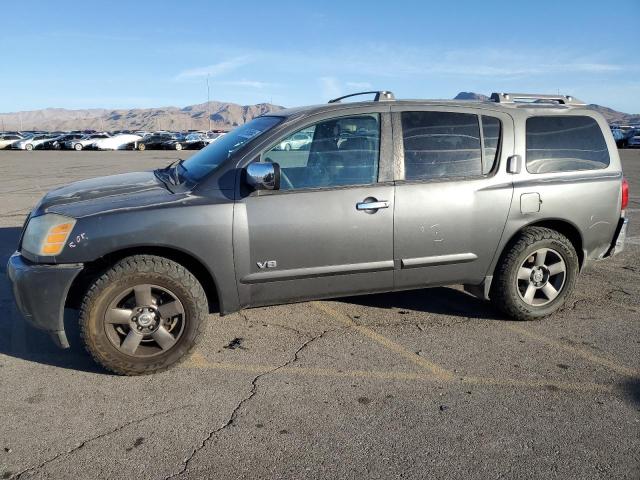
(79, 143)
(8, 139)
(117, 142)
(31, 142)
(296, 142)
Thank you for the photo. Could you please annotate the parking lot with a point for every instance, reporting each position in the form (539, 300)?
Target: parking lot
(417, 384)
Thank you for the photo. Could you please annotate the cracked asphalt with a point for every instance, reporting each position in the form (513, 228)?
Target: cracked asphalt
(424, 384)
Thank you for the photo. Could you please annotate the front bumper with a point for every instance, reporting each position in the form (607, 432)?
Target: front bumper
(40, 292)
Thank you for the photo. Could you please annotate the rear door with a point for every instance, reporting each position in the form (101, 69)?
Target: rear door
(315, 237)
(452, 195)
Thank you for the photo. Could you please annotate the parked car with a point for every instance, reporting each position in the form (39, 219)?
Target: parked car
(117, 142)
(510, 199)
(79, 143)
(55, 143)
(8, 139)
(30, 143)
(176, 142)
(155, 141)
(634, 139)
(297, 142)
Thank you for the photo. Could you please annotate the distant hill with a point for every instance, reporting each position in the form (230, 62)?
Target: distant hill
(223, 116)
(470, 96)
(611, 115)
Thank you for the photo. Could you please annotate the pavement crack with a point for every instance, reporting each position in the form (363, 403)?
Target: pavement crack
(234, 413)
(81, 445)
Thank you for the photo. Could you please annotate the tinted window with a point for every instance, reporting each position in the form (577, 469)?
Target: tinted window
(337, 152)
(491, 134)
(568, 143)
(440, 145)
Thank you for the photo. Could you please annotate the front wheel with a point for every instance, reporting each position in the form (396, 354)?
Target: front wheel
(77, 147)
(28, 147)
(141, 147)
(536, 274)
(143, 315)
(178, 146)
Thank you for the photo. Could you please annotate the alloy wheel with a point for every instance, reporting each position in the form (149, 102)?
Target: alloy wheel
(541, 277)
(144, 320)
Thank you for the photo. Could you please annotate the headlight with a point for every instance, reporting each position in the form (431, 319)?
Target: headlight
(46, 235)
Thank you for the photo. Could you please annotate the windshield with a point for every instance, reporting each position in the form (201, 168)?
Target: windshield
(211, 157)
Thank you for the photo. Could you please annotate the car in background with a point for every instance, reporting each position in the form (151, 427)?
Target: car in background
(31, 142)
(56, 143)
(196, 141)
(7, 139)
(117, 142)
(634, 139)
(80, 143)
(155, 141)
(299, 141)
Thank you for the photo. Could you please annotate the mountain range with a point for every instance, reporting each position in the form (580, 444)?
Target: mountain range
(223, 115)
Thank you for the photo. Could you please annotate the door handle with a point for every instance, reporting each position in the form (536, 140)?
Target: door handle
(372, 205)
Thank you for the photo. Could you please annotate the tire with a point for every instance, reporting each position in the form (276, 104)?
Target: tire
(28, 147)
(141, 147)
(287, 147)
(77, 147)
(178, 146)
(518, 274)
(179, 306)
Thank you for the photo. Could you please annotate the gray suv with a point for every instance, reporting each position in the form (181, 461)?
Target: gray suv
(510, 197)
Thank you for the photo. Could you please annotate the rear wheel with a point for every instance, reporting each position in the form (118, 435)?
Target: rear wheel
(535, 275)
(77, 147)
(178, 146)
(143, 315)
(28, 146)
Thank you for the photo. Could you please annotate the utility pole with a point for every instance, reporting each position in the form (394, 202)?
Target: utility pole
(208, 104)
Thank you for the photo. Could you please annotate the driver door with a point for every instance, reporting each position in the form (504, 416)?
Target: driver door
(315, 236)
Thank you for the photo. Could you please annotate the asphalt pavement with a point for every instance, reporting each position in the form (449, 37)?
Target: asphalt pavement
(422, 384)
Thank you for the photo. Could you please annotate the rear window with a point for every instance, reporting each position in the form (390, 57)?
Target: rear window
(564, 144)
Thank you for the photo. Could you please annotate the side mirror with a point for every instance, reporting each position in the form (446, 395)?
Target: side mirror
(263, 176)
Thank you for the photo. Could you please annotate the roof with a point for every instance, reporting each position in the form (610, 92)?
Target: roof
(291, 113)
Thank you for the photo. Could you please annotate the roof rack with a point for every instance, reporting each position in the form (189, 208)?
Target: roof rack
(381, 96)
(534, 98)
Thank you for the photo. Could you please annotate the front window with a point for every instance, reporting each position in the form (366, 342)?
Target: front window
(337, 152)
(211, 157)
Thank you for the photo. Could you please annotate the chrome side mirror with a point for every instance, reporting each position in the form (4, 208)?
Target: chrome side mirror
(263, 176)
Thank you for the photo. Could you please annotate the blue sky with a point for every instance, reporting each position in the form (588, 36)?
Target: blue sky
(119, 54)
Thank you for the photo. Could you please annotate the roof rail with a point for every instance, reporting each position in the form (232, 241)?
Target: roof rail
(534, 98)
(381, 96)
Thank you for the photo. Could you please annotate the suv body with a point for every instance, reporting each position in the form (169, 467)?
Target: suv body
(388, 195)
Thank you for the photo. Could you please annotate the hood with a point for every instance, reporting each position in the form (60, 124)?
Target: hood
(105, 194)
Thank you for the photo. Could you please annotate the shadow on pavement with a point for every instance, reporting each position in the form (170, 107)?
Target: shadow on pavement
(441, 300)
(20, 340)
(631, 390)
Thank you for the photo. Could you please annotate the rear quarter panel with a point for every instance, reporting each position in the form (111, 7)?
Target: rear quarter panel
(589, 200)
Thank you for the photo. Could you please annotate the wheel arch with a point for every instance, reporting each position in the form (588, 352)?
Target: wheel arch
(562, 226)
(187, 260)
